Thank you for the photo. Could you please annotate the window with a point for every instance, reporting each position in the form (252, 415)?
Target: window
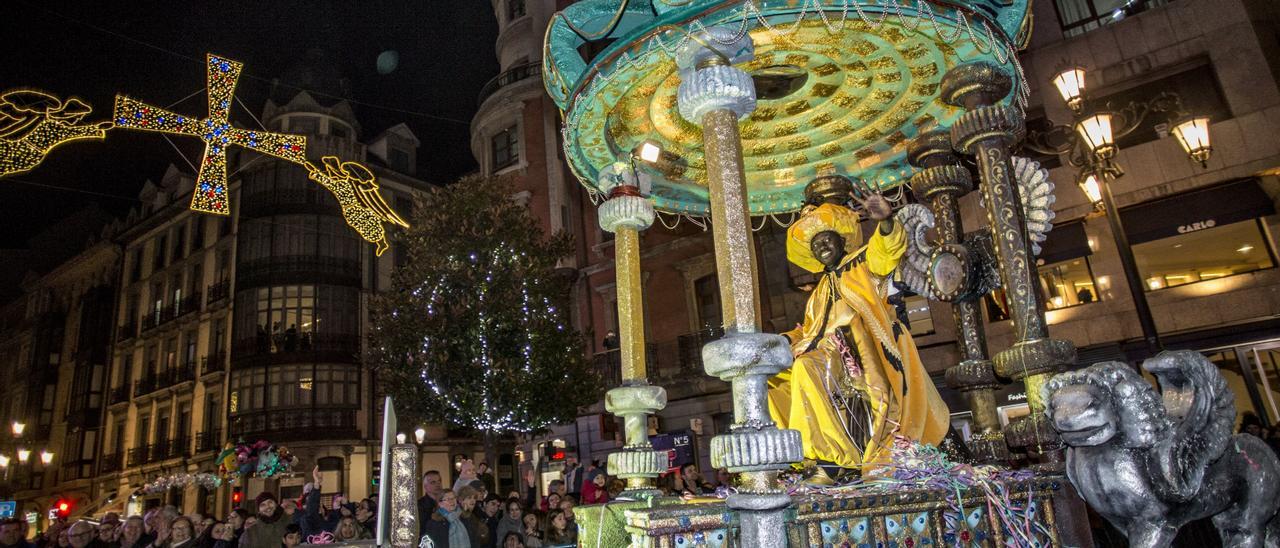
(197, 233)
(135, 272)
(1204, 254)
(1067, 283)
(300, 385)
(295, 317)
(180, 243)
(505, 148)
(189, 357)
(158, 258)
(212, 413)
(304, 124)
(338, 130)
(1198, 87)
(706, 291)
(1080, 16)
(515, 9)
(398, 159)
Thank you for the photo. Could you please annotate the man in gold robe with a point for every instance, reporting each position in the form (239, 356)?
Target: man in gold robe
(852, 344)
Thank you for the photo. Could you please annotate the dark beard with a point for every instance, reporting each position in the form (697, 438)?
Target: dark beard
(273, 517)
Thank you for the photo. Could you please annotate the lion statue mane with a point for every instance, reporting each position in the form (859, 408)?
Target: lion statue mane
(1150, 463)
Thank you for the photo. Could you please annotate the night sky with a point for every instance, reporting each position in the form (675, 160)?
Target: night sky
(155, 51)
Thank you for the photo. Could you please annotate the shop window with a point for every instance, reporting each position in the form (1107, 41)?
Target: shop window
(505, 148)
(1068, 283)
(1204, 254)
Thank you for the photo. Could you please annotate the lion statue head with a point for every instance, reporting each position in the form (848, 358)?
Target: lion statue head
(1094, 405)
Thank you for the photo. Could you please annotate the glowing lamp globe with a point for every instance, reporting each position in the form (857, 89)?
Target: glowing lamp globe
(1092, 189)
(649, 152)
(1070, 84)
(46, 457)
(420, 435)
(24, 455)
(1193, 134)
(4, 461)
(1096, 133)
(400, 438)
(18, 428)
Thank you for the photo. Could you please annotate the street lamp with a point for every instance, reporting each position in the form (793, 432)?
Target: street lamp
(420, 435)
(400, 438)
(18, 428)
(24, 455)
(46, 457)
(1090, 145)
(4, 461)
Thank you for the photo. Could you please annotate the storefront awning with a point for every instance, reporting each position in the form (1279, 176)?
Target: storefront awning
(1065, 241)
(1232, 202)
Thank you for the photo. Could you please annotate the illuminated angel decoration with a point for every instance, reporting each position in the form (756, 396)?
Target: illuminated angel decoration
(32, 123)
(356, 189)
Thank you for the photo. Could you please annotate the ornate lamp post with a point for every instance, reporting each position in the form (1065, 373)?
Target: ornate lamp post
(1090, 143)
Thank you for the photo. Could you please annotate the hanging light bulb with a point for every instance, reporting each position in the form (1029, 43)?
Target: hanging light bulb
(4, 461)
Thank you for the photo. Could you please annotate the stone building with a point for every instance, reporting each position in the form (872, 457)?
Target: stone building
(1203, 236)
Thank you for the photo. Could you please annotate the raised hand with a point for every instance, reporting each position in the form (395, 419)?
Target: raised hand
(872, 200)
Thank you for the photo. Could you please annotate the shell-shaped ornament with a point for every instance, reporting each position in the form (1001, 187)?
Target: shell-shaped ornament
(1036, 191)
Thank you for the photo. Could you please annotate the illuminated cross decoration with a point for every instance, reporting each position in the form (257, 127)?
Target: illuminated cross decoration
(216, 131)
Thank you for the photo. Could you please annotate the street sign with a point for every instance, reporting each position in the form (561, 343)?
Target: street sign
(8, 508)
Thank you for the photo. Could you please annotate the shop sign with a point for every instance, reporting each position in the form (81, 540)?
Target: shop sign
(678, 445)
(8, 508)
(1198, 225)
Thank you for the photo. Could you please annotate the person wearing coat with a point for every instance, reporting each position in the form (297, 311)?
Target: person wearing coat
(270, 526)
(445, 527)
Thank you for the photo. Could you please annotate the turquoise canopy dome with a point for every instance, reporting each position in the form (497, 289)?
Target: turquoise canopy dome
(843, 86)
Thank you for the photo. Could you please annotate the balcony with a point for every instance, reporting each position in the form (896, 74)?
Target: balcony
(325, 347)
(219, 291)
(289, 269)
(111, 462)
(178, 447)
(178, 375)
(679, 357)
(209, 441)
(127, 331)
(138, 456)
(295, 424)
(213, 363)
(119, 394)
(187, 305)
(146, 385)
(514, 74)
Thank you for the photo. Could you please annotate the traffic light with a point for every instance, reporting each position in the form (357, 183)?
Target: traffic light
(63, 507)
(377, 473)
(236, 496)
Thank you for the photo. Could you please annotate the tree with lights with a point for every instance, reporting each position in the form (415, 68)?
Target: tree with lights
(472, 332)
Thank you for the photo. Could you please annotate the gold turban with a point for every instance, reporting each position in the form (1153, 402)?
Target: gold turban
(815, 220)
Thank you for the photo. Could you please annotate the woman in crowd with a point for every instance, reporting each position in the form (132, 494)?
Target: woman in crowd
(558, 533)
(532, 529)
(349, 529)
(477, 530)
(511, 521)
(181, 533)
(593, 490)
(235, 522)
(512, 540)
(445, 526)
(367, 515)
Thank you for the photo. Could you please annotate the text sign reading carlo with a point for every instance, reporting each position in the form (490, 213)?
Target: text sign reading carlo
(1198, 225)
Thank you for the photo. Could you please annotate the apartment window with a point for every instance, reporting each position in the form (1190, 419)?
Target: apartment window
(157, 294)
(505, 148)
(135, 259)
(295, 386)
(304, 124)
(398, 159)
(706, 294)
(144, 432)
(290, 318)
(180, 243)
(159, 249)
(1201, 235)
(515, 9)
(197, 233)
(212, 413)
(338, 130)
(171, 354)
(1080, 16)
(189, 357)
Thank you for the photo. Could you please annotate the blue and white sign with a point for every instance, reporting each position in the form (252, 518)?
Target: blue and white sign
(8, 508)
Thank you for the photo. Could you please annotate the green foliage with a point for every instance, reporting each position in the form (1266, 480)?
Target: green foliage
(473, 332)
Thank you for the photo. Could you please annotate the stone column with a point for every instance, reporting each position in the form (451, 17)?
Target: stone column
(988, 130)
(940, 182)
(625, 214)
(715, 94)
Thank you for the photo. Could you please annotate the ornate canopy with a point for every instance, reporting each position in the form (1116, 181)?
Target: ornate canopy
(842, 86)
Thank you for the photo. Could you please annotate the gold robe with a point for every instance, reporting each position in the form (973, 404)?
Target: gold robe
(894, 383)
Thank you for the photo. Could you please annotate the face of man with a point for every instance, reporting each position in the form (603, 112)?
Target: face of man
(267, 507)
(491, 507)
(132, 531)
(10, 533)
(235, 521)
(431, 485)
(106, 532)
(80, 534)
(292, 539)
(828, 248)
(181, 531)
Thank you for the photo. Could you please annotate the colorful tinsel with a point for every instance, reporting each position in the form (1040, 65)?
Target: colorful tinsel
(163, 483)
(261, 459)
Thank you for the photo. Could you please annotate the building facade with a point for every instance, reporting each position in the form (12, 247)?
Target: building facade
(1203, 237)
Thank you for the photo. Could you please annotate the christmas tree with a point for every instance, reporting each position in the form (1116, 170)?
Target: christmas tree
(473, 332)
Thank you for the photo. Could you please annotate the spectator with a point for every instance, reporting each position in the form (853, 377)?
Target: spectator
(292, 536)
(61, 533)
(132, 533)
(616, 487)
(511, 521)
(1251, 424)
(490, 516)
(558, 529)
(181, 534)
(109, 531)
(348, 529)
(1273, 438)
(482, 490)
(512, 540)
(552, 501)
(204, 536)
(466, 475)
(202, 523)
(485, 475)
(432, 487)
(341, 509)
(235, 523)
(269, 526)
(81, 534)
(533, 527)
(11, 534)
(566, 509)
(593, 491)
(573, 475)
(724, 478)
(477, 529)
(367, 515)
(610, 340)
(445, 527)
(221, 533)
(689, 481)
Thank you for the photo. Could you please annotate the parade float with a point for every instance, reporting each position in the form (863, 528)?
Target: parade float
(732, 111)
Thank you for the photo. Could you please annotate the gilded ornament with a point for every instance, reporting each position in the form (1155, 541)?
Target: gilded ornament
(826, 69)
(763, 113)
(799, 142)
(785, 128)
(796, 107)
(823, 90)
(819, 119)
(829, 149)
(749, 130)
(33, 123)
(884, 96)
(797, 159)
(797, 59)
(767, 163)
(862, 48)
(841, 128)
(844, 100)
(915, 52)
(925, 71)
(763, 149)
(888, 77)
(867, 113)
(881, 63)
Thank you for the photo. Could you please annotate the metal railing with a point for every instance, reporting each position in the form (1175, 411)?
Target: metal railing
(111, 462)
(673, 358)
(138, 456)
(510, 76)
(213, 363)
(209, 440)
(295, 424)
(218, 291)
(146, 385)
(118, 394)
(127, 330)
